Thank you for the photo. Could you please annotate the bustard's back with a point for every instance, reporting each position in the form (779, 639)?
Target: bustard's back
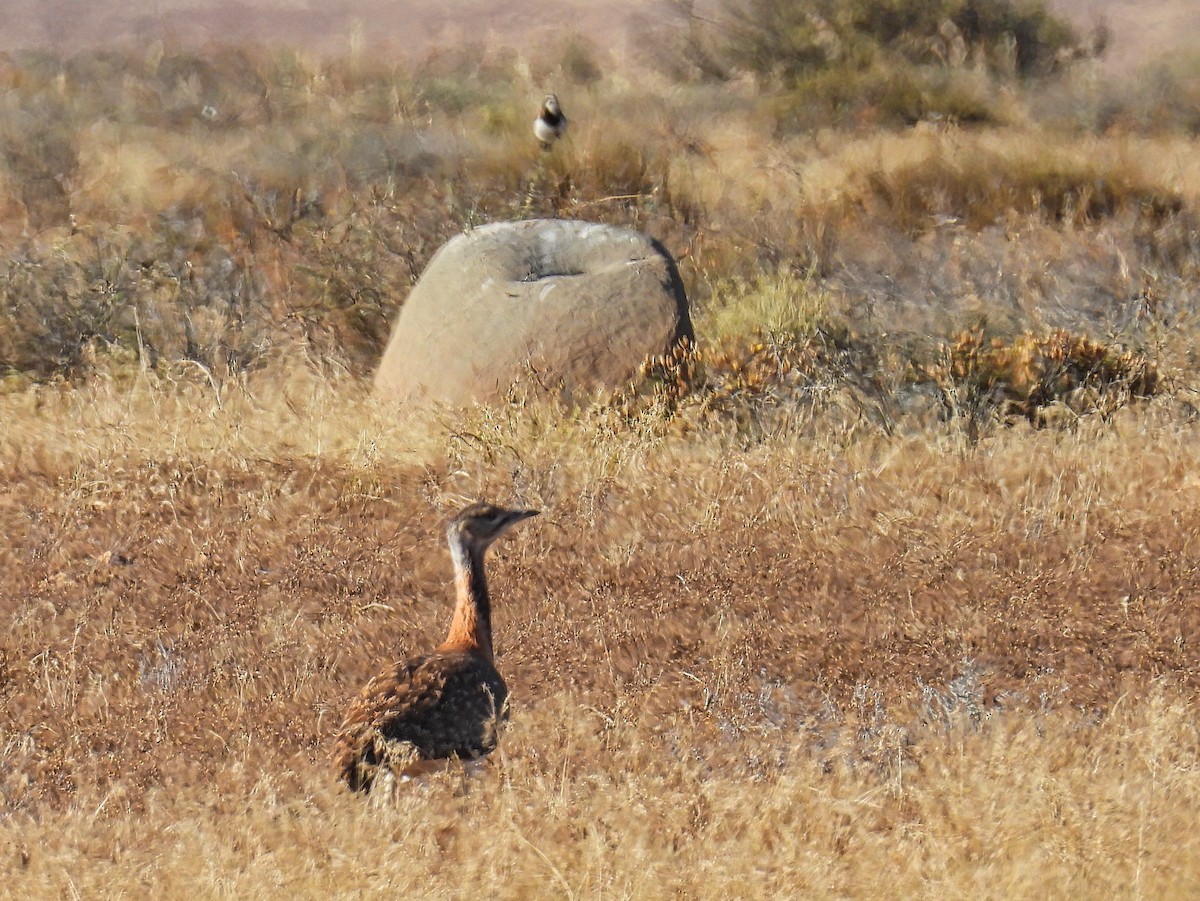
(449, 702)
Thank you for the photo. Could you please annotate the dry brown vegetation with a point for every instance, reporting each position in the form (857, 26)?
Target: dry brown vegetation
(780, 667)
(887, 588)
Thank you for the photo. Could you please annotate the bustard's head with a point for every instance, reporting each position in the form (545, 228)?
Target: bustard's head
(479, 525)
(550, 105)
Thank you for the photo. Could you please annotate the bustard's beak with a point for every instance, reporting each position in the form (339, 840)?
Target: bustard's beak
(512, 517)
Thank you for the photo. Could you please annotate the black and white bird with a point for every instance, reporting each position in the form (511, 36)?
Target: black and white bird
(551, 124)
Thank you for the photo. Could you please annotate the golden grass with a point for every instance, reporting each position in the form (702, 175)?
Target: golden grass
(984, 176)
(1016, 808)
(804, 634)
(784, 668)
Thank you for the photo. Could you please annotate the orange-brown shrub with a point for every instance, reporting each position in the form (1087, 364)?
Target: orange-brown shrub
(1024, 375)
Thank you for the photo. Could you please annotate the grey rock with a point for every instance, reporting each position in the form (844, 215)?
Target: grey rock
(560, 306)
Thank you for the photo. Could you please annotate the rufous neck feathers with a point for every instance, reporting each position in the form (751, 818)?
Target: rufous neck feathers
(471, 627)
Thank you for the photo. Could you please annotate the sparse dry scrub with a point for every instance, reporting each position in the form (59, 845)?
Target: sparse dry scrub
(1031, 373)
(779, 665)
(215, 208)
(867, 64)
(1163, 98)
(893, 572)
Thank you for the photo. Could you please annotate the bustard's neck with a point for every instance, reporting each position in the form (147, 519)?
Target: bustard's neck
(471, 628)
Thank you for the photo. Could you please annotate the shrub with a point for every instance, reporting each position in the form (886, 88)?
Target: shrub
(1025, 376)
(985, 181)
(771, 349)
(64, 307)
(783, 42)
(883, 95)
(875, 63)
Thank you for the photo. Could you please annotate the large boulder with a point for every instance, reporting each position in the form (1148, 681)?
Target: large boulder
(559, 305)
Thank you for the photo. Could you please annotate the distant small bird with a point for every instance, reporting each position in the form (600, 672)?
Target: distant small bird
(551, 124)
(447, 703)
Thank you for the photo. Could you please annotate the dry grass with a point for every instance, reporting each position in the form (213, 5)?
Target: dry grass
(1013, 809)
(832, 615)
(759, 671)
(217, 208)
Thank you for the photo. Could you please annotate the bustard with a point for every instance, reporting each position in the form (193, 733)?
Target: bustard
(447, 703)
(550, 124)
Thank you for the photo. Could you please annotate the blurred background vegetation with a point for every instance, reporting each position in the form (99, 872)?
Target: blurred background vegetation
(927, 171)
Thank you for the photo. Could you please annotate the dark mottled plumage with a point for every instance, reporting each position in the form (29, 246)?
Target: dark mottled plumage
(444, 704)
(447, 703)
